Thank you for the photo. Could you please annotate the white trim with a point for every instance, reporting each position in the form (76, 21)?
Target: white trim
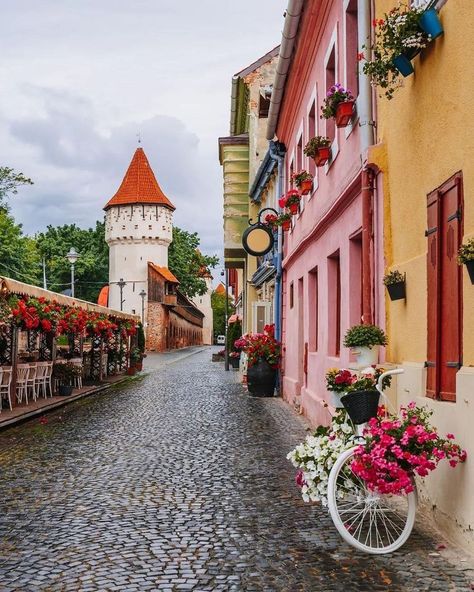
(332, 45)
(353, 123)
(300, 136)
(313, 99)
(267, 306)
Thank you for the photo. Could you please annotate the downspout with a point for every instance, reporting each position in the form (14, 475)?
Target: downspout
(366, 124)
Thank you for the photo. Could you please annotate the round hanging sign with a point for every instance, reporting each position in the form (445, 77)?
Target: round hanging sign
(258, 239)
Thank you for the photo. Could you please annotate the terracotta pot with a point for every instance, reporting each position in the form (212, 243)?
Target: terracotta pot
(322, 156)
(286, 225)
(344, 113)
(131, 371)
(139, 366)
(306, 186)
(294, 208)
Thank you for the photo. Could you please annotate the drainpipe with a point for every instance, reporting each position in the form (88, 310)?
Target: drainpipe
(366, 124)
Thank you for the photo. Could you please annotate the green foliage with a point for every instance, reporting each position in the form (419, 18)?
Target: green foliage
(364, 336)
(187, 263)
(394, 277)
(234, 332)
(140, 338)
(466, 252)
(218, 308)
(92, 267)
(18, 257)
(314, 144)
(9, 183)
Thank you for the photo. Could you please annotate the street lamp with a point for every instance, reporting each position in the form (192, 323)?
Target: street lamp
(226, 359)
(72, 257)
(121, 284)
(143, 294)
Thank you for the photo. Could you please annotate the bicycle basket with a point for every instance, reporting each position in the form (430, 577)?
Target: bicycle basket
(361, 405)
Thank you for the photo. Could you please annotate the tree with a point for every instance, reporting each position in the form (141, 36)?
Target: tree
(18, 257)
(187, 263)
(92, 267)
(218, 309)
(10, 180)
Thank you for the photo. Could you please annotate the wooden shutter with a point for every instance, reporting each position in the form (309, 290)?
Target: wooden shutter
(432, 266)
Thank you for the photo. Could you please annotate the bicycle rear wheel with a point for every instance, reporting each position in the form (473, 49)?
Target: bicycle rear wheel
(371, 522)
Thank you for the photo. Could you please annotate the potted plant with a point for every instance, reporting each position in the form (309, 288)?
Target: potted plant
(337, 383)
(284, 220)
(65, 374)
(466, 257)
(398, 38)
(396, 448)
(234, 359)
(291, 201)
(338, 104)
(395, 284)
(361, 399)
(364, 340)
(304, 181)
(263, 356)
(270, 220)
(319, 149)
(135, 359)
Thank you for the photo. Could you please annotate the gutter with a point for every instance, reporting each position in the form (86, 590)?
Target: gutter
(292, 19)
(265, 170)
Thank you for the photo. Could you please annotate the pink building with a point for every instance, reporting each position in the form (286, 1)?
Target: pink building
(332, 256)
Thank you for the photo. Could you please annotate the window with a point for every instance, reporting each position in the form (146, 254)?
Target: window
(330, 81)
(261, 316)
(334, 301)
(352, 64)
(299, 154)
(355, 279)
(311, 133)
(444, 297)
(291, 295)
(264, 105)
(313, 310)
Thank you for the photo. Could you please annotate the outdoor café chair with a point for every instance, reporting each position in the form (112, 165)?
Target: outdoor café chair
(5, 382)
(31, 381)
(22, 373)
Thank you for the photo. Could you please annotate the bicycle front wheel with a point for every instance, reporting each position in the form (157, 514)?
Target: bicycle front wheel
(369, 521)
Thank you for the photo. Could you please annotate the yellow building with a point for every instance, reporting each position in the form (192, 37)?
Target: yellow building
(424, 165)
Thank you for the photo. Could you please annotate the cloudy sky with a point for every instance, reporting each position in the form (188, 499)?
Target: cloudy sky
(80, 79)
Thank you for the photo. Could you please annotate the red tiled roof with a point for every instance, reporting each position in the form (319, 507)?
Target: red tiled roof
(139, 186)
(103, 299)
(165, 272)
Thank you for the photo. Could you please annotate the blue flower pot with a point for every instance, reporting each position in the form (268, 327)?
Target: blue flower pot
(430, 23)
(403, 65)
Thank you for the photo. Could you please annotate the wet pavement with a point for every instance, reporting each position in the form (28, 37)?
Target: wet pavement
(179, 481)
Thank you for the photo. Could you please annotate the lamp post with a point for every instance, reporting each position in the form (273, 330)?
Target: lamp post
(72, 257)
(143, 294)
(226, 359)
(121, 285)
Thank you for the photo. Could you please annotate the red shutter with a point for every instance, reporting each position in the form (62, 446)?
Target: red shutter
(432, 294)
(450, 305)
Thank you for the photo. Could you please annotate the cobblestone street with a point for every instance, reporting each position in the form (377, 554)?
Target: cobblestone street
(179, 481)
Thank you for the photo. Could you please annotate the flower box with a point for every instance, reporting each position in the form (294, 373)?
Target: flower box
(306, 186)
(344, 113)
(322, 156)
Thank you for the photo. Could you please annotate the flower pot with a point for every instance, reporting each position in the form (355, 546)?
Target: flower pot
(286, 225)
(131, 371)
(366, 356)
(306, 186)
(335, 399)
(396, 291)
(139, 366)
(234, 362)
(261, 378)
(361, 405)
(470, 270)
(431, 24)
(344, 113)
(294, 208)
(322, 156)
(403, 65)
(65, 390)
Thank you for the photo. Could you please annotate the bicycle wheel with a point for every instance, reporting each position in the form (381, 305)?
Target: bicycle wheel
(371, 522)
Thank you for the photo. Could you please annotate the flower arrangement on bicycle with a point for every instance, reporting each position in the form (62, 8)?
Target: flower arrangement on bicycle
(396, 449)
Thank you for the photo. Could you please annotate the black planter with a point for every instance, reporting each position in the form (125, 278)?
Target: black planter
(65, 390)
(261, 379)
(234, 362)
(470, 270)
(397, 291)
(361, 405)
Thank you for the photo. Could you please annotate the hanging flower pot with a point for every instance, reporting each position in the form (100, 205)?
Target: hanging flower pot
(306, 186)
(395, 284)
(403, 65)
(466, 257)
(344, 113)
(470, 269)
(286, 225)
(361, 405)
(430, 23)
(294, 207)
(322, 156)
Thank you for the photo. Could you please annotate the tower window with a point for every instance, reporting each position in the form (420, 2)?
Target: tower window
(150, 227)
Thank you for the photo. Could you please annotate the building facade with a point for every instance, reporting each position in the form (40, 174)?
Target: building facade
(423, 162)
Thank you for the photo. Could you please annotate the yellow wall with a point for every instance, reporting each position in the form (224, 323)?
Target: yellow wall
(424, 136)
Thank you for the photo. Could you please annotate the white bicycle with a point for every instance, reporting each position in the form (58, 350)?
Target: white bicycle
(369, 521)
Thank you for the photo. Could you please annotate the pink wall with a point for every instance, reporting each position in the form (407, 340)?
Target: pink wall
(326, 234)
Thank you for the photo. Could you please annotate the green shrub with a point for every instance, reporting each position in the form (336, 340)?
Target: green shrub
(364, 336)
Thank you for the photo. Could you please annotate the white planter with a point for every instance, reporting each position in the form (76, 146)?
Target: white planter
(366, 356)
(335, 399)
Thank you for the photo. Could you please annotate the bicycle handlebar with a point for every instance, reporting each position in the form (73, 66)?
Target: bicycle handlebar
(387, 373)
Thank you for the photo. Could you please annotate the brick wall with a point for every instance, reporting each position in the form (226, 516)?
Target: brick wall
(167, 330)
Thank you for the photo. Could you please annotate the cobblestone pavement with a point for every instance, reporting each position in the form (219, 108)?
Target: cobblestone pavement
(179, 481)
